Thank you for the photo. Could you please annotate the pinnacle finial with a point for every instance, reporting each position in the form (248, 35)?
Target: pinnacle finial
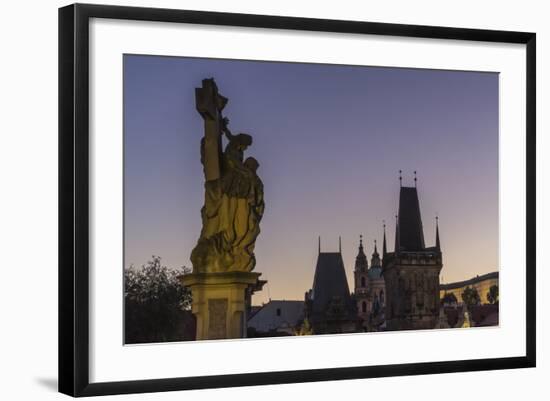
(415, 178)
(340, 244)
(397, 234)
(400, 178)
(437, 243)
(384, 250)
(319, 244)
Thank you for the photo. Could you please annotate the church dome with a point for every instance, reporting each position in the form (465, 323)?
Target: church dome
(375, 272)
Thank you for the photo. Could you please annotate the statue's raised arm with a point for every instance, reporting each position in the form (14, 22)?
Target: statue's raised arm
(226, 130)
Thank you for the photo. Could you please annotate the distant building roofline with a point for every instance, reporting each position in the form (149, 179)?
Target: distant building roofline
(472, 281)
(277, 300)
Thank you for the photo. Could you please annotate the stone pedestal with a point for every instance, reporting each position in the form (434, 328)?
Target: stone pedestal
(220, 302)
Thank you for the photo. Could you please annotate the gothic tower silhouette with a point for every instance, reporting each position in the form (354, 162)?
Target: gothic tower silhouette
(411, 272)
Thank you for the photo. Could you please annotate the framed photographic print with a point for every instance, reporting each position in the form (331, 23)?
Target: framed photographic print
(249, 199)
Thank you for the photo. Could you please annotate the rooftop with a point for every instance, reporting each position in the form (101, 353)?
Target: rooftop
(277, 314)
(410, 234)
(472, 281)
(330, 282)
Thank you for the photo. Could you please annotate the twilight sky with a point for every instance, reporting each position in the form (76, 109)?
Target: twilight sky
(330, 141)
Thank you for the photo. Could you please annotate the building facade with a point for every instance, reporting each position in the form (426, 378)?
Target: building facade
(369, 291)
(411, 271)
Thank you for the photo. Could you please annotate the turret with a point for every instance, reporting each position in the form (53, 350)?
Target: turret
(361, 263)
(375, 260)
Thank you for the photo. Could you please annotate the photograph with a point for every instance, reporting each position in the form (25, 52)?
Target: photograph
(283, 199)
(275, 201)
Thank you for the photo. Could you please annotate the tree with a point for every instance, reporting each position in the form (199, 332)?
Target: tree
(157, 305)
(492, 295)
(470, 297)
(449, 298)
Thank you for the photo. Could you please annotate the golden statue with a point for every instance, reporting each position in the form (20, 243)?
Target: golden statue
(234, 196)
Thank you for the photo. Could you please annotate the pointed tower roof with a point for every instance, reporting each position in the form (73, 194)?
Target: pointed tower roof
(330, 282)
(375, 260)
(409, 233)
(361, 262)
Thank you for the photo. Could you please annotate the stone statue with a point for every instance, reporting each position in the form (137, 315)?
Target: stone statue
(234, 196)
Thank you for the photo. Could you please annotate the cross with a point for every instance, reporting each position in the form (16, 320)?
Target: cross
(209, 104)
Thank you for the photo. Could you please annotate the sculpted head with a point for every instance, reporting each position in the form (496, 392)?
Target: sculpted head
(251, 164)
(242, 141)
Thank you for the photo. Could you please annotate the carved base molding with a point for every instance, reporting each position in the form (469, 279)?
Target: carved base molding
(220, 302)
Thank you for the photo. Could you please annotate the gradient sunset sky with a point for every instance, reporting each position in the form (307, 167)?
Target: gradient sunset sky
(330, 141)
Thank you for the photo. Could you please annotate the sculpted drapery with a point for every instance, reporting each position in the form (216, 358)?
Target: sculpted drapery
(234, 198)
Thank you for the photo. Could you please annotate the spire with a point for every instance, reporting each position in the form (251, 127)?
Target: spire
(437, 244)
(375, 260)
(319, 244)
(411, 234)
(361, 263)
(384, 249)
(340, 244)
(415, 178)
(400, 178)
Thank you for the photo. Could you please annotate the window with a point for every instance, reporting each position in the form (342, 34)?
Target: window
(364, 307)
(363, 282)
(278, 311)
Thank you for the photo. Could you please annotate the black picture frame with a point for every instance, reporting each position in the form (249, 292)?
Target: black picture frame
(74, 198)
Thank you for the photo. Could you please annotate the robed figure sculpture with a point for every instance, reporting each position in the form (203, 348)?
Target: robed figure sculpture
(234, 196)
(222, 281)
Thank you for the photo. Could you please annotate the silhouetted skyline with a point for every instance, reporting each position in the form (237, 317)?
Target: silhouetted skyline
(330, 141)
